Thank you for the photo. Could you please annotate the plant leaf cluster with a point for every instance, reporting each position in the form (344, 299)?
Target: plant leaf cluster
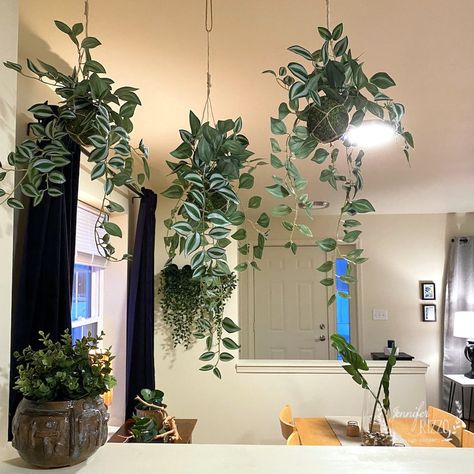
(192, 309)
(61, 370)
(327, 89)
(150, 395)
(94, 114)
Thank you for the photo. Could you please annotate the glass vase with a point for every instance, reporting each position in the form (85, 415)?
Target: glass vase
(375, 429)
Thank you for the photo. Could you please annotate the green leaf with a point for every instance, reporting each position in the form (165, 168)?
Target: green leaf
(218, 219)
(324, 33)
(341, 46)
(301, 52)
(193, 242)
(409, 138)
(382, 80)
(299, 71)
(98, 171)
(275, 146)
(246, 181)
(90, 42)
(362, 206)
(194, 123)
(63, 27)
(254, 202)
(229, 325)
(331, 300)
(297, 90)
(173, 192)
(337, 32)
(351, 223)
(192, 211)
(15, 66)
(198, 259)
(112, 229)
(326, 245)
(275, 161)
(218, 233)
(240, 234)
(216, 253)
(183, 151)
(278, 126)
(14, 203)
(278, 191)
(327, 281)
(217, 372)
(41, 111)
(43, 165)
(56, 177)
(326, 267)
(195, 179)
(263, 220)
(241, 267)
(320, 156)
(206, 356)
(230, 344)
(182, 228)
(226, 356)
(351, 236)
(305, 230)
(281, 210)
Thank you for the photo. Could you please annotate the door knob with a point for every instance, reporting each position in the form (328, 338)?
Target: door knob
(322, 326)
(322, 338)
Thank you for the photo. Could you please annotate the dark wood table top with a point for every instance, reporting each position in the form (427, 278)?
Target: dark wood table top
(185, 429)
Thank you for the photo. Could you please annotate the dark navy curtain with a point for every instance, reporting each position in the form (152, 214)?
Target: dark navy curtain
(140, 314)
(44, 289)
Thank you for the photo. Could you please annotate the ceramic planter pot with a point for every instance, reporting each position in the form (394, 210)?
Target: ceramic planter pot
(56, 434)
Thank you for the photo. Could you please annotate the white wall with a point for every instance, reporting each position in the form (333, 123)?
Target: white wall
(242, 408)
(8, 51)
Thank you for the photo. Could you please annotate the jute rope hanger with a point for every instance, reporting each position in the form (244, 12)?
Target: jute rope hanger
(208, 112)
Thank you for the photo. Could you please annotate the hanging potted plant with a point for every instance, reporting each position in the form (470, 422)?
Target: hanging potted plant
(62, 420)
(93, 114)
(376, 412)
(213, 163)
(329, 95)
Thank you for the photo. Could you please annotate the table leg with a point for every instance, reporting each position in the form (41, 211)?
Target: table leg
(462, 403)
(470, 408)
(451, 396)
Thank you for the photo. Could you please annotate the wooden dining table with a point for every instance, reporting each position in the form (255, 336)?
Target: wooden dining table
(414, 432)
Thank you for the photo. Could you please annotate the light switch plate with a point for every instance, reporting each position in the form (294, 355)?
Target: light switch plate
(380, 314)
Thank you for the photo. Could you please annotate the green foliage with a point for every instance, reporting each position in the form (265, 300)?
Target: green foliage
(328, 92)
(93, 114)
(150, 395)
(193, 309)
(61, 371)
(356, 364)
(144, 429)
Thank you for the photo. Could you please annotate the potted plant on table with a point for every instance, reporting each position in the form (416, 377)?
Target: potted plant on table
(62, 420)
(375, 419)
(150, 405)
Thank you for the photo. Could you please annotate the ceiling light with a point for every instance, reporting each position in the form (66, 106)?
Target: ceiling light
(370, 134)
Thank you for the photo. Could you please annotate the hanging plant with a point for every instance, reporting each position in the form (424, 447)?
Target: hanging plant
(213, 162)
(94, 115)
(326, 97)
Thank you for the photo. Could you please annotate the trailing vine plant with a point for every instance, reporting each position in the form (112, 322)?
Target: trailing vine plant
(91, 113)
(327, 96)
(212, 163)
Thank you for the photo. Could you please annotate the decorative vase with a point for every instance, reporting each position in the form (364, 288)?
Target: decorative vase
(57, 434)
(156, 415)
(375, 429)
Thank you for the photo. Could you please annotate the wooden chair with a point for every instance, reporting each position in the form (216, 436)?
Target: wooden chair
(447, 424)
(293, 439)
(286, 422)
(467, 439)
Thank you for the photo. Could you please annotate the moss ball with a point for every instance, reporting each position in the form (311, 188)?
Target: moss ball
(81, 128)
(327, 122)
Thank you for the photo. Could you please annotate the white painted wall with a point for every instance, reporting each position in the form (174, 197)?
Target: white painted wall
(8, 51)
(242, 408)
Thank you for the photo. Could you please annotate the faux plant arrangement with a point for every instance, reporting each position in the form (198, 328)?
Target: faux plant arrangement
(377, 431)
(327, 96)
(61, 383)
(213, 163)
(152, 422)
(91, 113)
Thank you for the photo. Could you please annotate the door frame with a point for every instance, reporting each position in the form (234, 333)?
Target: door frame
(246, 288)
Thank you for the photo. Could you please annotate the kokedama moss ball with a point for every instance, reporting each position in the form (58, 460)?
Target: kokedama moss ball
(81, 128)
(327, 122)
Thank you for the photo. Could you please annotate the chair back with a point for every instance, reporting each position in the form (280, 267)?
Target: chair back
(447, 424)
(286, 422)
(467, 439)
(293, 439)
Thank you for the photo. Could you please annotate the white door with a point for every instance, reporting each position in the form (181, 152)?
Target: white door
(291, 317)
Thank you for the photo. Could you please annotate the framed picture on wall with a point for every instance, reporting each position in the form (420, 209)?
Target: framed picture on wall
(428, 290)
(429, 313)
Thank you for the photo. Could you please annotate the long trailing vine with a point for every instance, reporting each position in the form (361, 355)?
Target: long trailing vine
(325, 100)
(94, 116)
(212, 163)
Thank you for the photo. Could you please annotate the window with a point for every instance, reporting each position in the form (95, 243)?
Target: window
(87, 293)
(343, 309)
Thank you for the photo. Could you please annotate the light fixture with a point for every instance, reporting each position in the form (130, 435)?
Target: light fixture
(371, 133)
(464, 328)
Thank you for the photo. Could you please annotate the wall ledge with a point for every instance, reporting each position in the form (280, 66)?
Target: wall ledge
(245, 366)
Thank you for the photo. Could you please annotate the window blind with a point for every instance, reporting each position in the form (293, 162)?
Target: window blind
(86, 249)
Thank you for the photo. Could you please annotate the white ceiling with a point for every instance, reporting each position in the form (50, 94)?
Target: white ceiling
(159, 46)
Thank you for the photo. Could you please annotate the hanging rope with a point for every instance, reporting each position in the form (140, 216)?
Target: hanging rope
(86, 14)
(328, 15)
(209, 24)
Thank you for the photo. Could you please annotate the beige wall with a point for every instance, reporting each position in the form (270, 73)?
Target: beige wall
(403, 250)
(8, 51)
